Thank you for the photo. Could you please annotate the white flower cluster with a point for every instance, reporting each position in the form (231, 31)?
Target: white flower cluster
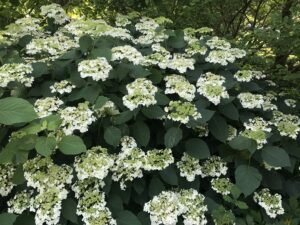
(182, 111)
(159, 57)
(122, 20)
(223, 57)
(194, 47)
(127, 52)
(215, 166)
(140, 92)
(232, 132)
(287, 124)
(21, 27)
(55, 12)
(62, 87)
(91, 203)
(50, 180)
(267, 104)
(46, 106)
(271, 203)
(16, 72)
(180, 63)
(97, 69)
(251, 101)
(290, 102)
(158, 159)
(177, 84)
(128, 163)
(96, 163)
(248, 75)
(54, 45)
(76, 118)
(221, 185)
(117, 32)
(6, 174)
(189, 167)
(108, 109)
(218, 43)
(166, 207)
(257, 129)
(20, 202)
(211, 86)
(201, 130)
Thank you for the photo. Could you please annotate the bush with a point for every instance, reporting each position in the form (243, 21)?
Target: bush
(139, 124)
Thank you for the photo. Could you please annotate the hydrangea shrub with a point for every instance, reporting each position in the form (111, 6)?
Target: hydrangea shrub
(139, 124)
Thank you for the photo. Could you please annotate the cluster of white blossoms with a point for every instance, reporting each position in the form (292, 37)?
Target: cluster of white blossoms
(267, 104)
(166, 207)
(180, 63)
(91, 203)
(47, 106)
(215, 166)
(62, 87)
(182, 111)
(122, 20)
(251, 101)
(96, 163)
(54, 45)
(6, 175)
(16, 72)
(232, 132)
(223, 57)
(128, 163)
(140, 92)
(290, 102)
(127, 52)
(271, 203)
(55, 12)
(97, 69)
(108, 109)
(221, 185)
(201, 129)
(248, 75)
(287, 124)
(211, 86)
(20, 202)
(189, 167)
(160, 57)
(158, 159)
(218, 43)
(177, 84)
(24, 26)
(76, 118)
(257, 129)
(50, 181)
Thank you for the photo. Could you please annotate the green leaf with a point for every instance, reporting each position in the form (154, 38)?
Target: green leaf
(16, 110)
(141, 133)
(25, 219)
(153, 112)
(241, 205)
(230, 111)
(102, 52)
(275, 156)
(7, 218)
(172, 137)
(39, 69)
(127, 218)
(86, 43)
(122, 117)
(218, 128)
(68, 210)
(18, 177)
(197, 148)
(169, 175)
(53, 122)
(112, 135)
(115, 203)
(101, 100)
(45, 145)
(243, 143)
(247, 179)
(155, 186)
(71, 145)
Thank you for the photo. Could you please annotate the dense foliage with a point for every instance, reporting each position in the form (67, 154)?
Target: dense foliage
(137, 123)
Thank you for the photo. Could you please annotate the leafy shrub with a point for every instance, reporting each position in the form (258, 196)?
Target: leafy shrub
(139, 124)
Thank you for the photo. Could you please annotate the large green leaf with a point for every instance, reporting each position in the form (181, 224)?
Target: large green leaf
(218, 127)
(68, 210)
(86, 43)
(230, 111)
(172, 137)
(141, 133)
(243, 143)
(7, 218)
(275, 156)
(153, 112)
(155, 186)
(197, 148)
(169, 175)
(247, 178)
(112, 135)
(16, 110)
(127, 218)
(71, 145)
(45, 145)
